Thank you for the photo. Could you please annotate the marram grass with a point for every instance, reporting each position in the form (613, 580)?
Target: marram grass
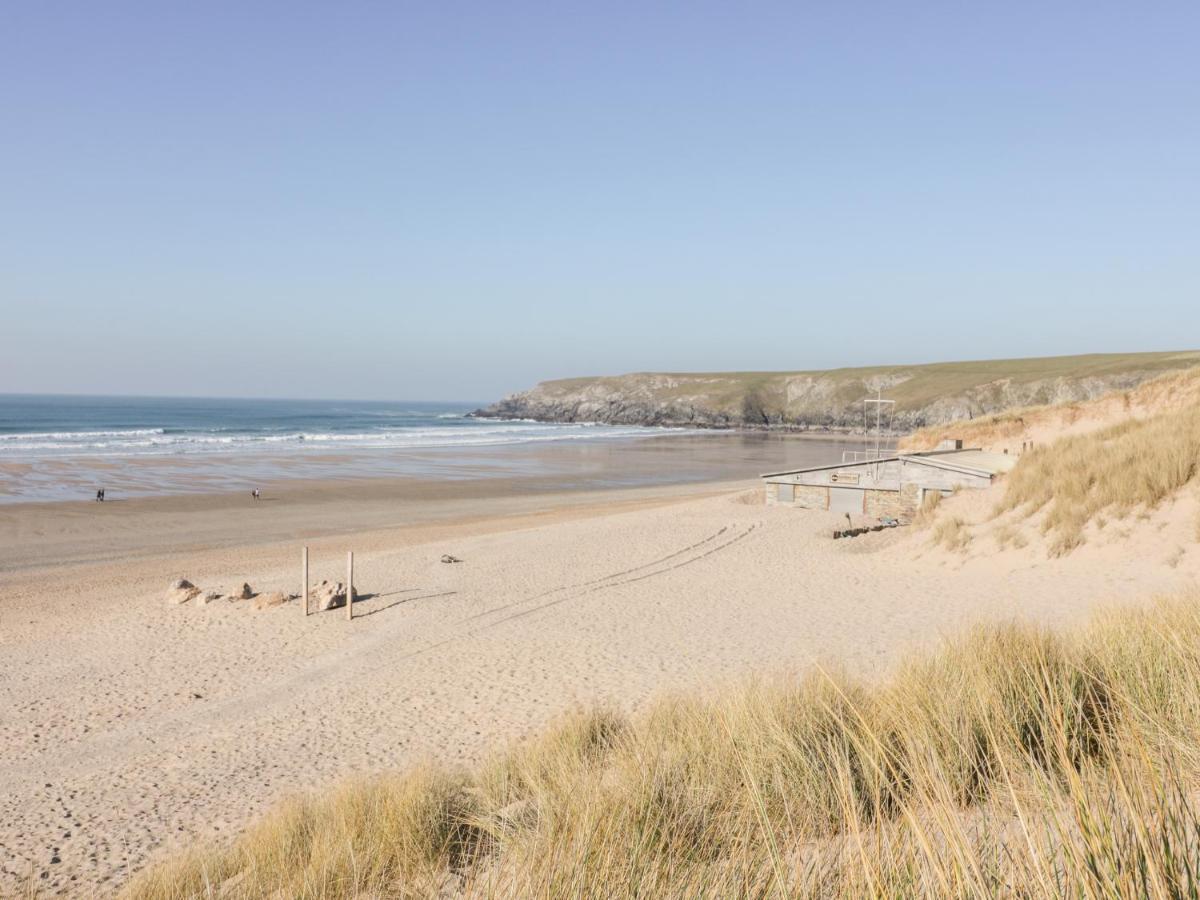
(1133, 465)
(1161, 393)
(1015, 762)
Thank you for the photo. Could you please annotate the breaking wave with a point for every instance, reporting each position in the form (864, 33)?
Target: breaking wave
(162, 441)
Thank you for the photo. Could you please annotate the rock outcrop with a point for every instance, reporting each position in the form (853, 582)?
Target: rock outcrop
(833, 401)
(269, 599)
(329, 595)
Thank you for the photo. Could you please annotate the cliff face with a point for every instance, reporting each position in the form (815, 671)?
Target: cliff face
(833, 401)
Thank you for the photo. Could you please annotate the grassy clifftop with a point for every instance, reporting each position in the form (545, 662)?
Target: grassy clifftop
(925, 395)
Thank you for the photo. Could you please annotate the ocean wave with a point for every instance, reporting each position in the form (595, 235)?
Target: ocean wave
(135, 442)
(65, 435)
(415, 414)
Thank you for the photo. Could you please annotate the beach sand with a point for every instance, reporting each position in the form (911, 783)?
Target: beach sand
(133, 728)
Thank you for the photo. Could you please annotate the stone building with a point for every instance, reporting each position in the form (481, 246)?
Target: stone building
(890, 486)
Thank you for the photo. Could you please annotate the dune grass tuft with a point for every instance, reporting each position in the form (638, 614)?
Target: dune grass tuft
(952, 533)
(927, 511)
(1171, 390)
(1014, 762)
(1134, 465)
(407, 830)
(1009, 535)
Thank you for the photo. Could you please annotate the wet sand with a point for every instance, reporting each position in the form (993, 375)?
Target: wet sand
(521, 479)
(52, 537)
(660, 456)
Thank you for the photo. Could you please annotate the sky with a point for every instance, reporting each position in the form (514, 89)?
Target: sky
(456, 200)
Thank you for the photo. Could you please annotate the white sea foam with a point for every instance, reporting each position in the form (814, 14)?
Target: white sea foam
(157, 441)
(76, 435)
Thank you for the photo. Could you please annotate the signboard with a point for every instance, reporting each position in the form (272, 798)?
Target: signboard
(844, 477)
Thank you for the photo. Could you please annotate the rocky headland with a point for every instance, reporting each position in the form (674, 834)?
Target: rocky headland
(825, 401)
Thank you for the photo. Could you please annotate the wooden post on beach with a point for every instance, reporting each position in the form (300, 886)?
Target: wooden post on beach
(304, 579)
(349, 585)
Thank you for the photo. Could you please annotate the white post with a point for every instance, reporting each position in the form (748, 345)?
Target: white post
(304, 579)
(349, 585)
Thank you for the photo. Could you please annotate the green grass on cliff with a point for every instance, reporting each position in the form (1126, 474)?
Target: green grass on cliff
(916, 385)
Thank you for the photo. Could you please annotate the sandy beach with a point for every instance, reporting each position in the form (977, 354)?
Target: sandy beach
(134, 728)
(710, 438)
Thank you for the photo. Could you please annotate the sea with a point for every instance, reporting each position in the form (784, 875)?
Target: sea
(55, 447)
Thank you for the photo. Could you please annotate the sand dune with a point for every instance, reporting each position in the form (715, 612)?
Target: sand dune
(1010, 431)
(134, 727)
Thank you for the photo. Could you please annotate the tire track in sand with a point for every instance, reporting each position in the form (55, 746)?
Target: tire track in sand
(610, 576)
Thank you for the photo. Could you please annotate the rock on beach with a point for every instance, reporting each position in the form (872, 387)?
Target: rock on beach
(181, 591)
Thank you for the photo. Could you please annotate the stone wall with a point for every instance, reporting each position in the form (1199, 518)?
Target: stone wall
(811, 497)
(900, 504)
(806, 496)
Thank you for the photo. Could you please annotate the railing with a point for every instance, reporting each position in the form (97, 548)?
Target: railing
(857, 456)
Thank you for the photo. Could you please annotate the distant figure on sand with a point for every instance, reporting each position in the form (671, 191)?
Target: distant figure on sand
(255, 494)
(100, 495)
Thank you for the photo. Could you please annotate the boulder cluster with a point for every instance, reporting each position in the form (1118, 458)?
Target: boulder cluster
(183, 591)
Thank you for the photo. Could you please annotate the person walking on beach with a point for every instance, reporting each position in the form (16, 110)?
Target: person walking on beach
(100, 495)
(255, 494)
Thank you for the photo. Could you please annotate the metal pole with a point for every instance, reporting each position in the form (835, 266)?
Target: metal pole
(349, 585)
(878, 401)
(304, 579)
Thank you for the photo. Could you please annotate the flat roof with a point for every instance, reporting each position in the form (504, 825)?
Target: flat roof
(979, 460)
(973, 461)
(841, 465)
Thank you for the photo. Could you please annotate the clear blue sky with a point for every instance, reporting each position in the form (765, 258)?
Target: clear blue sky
(455, 200)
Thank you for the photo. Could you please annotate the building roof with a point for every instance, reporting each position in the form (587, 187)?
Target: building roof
(973, 462)
(841, 465)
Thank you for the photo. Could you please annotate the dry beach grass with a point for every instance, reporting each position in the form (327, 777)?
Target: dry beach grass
(1135, 464)
(1015, 762)
(1081, 466)
(1011, 430)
